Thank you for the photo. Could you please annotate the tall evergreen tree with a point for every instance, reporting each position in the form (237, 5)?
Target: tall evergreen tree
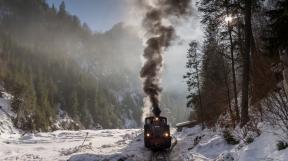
(212, 75)
(62, 9)
(193, 80)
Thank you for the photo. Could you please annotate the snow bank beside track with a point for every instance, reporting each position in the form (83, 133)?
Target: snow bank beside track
(212, 147)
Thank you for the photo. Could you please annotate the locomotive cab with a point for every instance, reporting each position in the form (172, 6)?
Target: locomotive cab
(157, 133)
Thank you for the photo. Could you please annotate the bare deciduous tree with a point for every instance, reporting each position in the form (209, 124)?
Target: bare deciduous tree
(277, 110)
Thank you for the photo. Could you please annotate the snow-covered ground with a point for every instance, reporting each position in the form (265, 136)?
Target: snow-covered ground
(61, 145)
(127, 144)
(211, 146)
(194, 144)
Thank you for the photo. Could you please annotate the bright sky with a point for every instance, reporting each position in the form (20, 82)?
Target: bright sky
(100, 15)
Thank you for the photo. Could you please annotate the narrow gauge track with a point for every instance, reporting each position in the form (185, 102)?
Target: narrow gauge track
(163, 155)
(160, 156)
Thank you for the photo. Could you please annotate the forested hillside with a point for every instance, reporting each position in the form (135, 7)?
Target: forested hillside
(56, 67)
(43, 65)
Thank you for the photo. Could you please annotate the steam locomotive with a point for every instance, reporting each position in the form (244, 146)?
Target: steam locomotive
(157, 133)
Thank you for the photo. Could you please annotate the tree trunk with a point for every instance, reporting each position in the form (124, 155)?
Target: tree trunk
(232, 64)
(246, 64)
(228, 94)
(233, 73)
(284, 58)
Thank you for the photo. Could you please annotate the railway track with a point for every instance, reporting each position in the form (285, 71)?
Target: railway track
(160, 156)
(163, 155)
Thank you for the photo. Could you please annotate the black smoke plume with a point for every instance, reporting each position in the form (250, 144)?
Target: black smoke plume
(160, 34)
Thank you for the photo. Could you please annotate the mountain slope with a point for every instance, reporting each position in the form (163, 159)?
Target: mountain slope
(51, 62)
(43, 67)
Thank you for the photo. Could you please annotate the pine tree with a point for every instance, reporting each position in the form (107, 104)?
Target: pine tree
(62, 9)
(213, 86)
(193, 80)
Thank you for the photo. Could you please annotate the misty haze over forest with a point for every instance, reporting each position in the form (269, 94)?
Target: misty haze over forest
(124, 13)
(93, 67)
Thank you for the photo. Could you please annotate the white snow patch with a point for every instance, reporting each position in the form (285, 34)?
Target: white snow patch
(62, 145)
(7, 128)
(262, 149)
(212, 147)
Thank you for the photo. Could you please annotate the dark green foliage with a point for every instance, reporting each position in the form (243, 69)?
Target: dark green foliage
(62, 9)
(208, 88)
(206, 85)
(192, 75)
(192, 78)
(38, 90)
(278, 33)
(230, 139)
(249, 140)
(281, 145)
(213, 87)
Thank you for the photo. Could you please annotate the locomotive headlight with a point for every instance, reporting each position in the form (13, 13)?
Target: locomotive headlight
(166, 134)
(156, 118)
(147, 134)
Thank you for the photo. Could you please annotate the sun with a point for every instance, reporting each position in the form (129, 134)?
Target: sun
(228, 19)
